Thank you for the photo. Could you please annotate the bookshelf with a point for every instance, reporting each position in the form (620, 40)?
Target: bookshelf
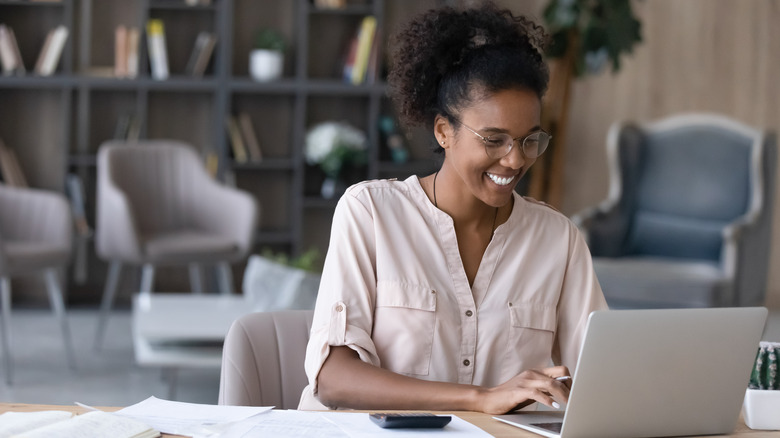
(56, 124)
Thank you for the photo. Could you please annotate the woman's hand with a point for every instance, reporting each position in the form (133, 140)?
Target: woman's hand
(526, 388)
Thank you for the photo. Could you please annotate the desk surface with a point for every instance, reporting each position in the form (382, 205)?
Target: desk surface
(483, 421)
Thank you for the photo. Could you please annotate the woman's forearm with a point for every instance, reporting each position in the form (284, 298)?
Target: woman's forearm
(348, 382)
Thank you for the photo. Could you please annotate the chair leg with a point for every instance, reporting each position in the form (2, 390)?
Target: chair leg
(5, 307)
(58, 306)
(114, 271)
(196, 278)
(147, 278)
(225, 278)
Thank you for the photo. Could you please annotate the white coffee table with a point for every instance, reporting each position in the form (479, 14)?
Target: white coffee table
(183, 330)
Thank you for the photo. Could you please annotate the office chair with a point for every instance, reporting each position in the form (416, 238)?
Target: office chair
(687, 222)
(157, 205)
(36, 230)
(262, 359)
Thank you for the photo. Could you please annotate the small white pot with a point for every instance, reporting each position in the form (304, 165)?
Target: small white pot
(761, 409)
(265, 65)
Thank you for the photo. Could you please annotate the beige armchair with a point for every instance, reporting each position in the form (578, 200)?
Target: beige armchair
(157, 205)
(36, 229)
(262, 359)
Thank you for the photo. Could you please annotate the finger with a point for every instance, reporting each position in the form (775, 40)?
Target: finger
(544, 398)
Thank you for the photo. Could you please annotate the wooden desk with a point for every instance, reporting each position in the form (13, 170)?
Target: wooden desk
(483, 421)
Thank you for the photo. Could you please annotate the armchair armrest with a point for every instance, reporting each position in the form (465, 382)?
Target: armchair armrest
(116, 232)
(228, 212)
(35, 215)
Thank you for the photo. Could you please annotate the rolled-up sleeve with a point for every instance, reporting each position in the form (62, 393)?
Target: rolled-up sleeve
(343, 315)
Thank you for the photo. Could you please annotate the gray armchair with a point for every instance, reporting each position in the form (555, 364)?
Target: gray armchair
(36, 229)
(687, 221)
(157, 205)
(262, 359)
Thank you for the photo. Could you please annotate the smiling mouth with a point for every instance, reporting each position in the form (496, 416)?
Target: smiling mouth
(500, 180)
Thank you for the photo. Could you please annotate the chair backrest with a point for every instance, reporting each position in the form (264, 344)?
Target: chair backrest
(682, 180)
(160, 176)
(262, 359)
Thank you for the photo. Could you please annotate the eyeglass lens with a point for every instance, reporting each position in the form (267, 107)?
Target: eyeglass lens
(499, 145)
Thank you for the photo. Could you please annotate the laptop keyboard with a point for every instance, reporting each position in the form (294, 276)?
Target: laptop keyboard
(552, 427)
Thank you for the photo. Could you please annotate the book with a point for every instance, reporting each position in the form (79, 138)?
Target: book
(9, 52)
(133, 40)
(120, 51)
(9, 166)
(158, 55)
(75, 191)
(236, 142)
(63, 424)
(54, 51)
(365, 41)
(249, 137)
(42, 54)
(201, 54)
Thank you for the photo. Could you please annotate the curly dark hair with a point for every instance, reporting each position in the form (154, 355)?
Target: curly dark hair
(446, 58)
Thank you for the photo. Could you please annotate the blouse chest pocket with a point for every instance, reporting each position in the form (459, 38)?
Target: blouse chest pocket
(404, 325)
(531, 335)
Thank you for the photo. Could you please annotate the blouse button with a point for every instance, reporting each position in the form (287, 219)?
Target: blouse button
(339, 308)
(469, 313)
(466, 362)
(433, 291)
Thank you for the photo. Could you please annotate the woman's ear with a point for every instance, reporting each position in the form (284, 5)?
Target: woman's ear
(442, 130)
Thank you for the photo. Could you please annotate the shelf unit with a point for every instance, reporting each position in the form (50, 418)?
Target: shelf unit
(56, 124)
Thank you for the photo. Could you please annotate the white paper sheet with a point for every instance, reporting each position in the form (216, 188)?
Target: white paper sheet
(186, 419)
(357, 425)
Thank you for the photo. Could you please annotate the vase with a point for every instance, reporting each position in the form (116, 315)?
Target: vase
(332, 188)
(265, 65)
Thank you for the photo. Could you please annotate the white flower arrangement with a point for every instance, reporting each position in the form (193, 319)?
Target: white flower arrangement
(332, 145)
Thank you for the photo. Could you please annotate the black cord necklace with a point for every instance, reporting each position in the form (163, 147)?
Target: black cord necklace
(436, 204)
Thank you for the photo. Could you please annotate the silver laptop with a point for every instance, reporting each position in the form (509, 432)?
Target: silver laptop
(654, 373)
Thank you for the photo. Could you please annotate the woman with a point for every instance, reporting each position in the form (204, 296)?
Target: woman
(452, 292)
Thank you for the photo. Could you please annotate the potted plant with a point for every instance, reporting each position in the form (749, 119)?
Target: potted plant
(762, 400)
(335, 147)
(275, 281)
(266, 60)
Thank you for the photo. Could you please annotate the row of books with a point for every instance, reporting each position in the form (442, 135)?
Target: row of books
(48, 57)
(158, 53)
(360, 63)
(243, 140)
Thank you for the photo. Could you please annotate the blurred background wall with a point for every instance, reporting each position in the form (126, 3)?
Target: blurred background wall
(719, 56)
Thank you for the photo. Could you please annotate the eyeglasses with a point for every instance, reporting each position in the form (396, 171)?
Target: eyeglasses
(499, 145)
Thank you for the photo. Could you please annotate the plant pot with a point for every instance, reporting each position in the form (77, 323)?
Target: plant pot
(270, 286)
(265, 65)
(761, 409)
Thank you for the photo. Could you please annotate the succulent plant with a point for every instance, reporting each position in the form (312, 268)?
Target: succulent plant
(764, 375)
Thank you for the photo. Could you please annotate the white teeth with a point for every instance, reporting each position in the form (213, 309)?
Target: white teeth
(502, 181)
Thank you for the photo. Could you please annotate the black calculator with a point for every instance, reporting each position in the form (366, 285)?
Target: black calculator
(411, 420)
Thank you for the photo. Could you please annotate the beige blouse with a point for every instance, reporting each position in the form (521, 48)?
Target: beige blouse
(394, 290)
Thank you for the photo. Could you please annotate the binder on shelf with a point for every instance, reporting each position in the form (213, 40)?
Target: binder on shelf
(158, 55)
(50, 57)
(249, 137)
(201, 54)
(236, 142)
